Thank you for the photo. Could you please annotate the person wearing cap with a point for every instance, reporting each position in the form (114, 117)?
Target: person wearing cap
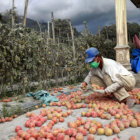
(111, 75)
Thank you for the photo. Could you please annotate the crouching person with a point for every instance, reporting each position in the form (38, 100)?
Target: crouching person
(110, 74)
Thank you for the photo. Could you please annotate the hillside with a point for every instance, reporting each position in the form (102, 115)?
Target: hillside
(33, 24)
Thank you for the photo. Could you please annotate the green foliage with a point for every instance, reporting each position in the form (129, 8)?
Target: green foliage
(133, 28)
(4, 111)
(7, 16)
(62, 30)
(109, 32)
(17, 53)
(8, 112)
(27, 56)
(106, 47)
(0, 17)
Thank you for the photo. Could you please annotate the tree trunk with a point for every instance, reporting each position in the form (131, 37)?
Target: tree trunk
(99, 32)
(53, 31)
(85, 23)
(48, 29)
(72, 36)
(25, 13)
(68, 39)
(13, 17)
(39, 26)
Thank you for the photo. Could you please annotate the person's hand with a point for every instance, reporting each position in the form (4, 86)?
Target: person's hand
(99, 91)
(84, 85)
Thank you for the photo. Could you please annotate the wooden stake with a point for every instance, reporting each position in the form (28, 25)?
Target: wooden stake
(13, 17)
(54, 43)
(99, 32)
(48, 34)
(58, 42)
(59, 32)
(107, 33)
(25, 13)
(85, 23)
(48, 29)
(72, 36)
(39, 26)
(68, 39)
(53, 27)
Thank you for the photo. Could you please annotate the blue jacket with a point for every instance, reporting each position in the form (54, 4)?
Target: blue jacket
(135, 62)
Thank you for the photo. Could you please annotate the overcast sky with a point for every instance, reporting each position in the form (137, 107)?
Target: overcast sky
(95, 12)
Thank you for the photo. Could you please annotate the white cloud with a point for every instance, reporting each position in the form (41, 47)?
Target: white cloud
(76, 10)
(61, 8)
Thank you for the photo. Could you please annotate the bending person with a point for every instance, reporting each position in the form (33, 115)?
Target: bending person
(110, 74)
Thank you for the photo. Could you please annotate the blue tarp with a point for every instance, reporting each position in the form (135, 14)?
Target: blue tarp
(135, 62)
(44, 96)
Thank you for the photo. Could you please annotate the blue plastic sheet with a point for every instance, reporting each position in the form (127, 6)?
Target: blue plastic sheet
(44, 96)
(135, 63)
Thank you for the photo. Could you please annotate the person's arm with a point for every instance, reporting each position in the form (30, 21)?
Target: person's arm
(114, 87)
(86, 81)
(110, 89)
(88, 78)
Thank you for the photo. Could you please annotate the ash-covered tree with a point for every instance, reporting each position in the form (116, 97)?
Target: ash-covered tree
(133, 28)
(62, 30)
(109, 32)
(0, 17)
(7, 17)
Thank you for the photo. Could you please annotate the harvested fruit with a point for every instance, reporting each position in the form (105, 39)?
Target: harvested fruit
(132, 138)
(119, 115)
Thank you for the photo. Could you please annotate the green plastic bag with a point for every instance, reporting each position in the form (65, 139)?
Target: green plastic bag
(44, 96)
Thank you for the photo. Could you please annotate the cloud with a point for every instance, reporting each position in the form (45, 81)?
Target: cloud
(95, 12)
(133, 13)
